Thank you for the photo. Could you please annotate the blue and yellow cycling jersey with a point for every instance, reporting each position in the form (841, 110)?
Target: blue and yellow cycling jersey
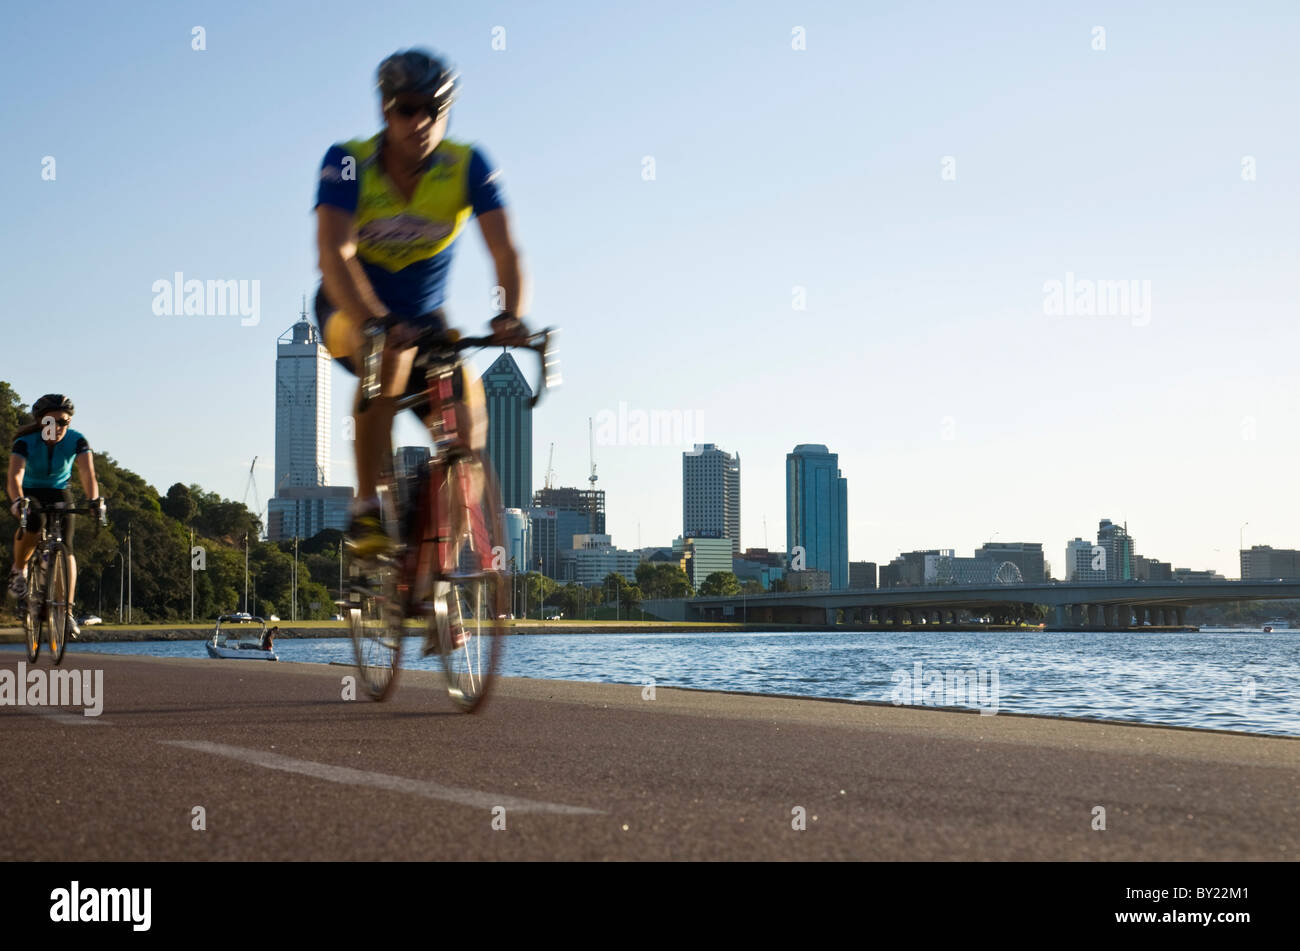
(405, 247)
(49, 464)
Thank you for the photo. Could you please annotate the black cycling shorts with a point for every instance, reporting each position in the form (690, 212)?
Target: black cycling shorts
(326, 311)
(36, 518)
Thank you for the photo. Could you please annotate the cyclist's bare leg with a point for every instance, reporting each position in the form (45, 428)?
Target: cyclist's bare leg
(24, 545)
(374, 427)
(471, 425)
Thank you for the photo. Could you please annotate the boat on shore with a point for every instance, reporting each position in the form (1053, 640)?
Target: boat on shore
(240, 643)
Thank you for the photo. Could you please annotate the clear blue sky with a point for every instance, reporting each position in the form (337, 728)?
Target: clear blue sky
(924, 357)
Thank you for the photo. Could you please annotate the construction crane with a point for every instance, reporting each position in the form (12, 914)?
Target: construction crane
(591, 449)
(550, 468)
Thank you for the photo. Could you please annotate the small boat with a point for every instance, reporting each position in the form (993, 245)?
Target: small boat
(1276, 624)
(236, 644)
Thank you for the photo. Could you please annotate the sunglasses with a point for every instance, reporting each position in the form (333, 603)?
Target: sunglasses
(411, 109)
(62, 423)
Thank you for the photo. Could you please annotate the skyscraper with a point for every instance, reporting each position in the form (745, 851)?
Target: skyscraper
(1119, 550)
(510, 430)
(590, 502)
(302, 408)
(711, 494)
(304, 502)
(816, 511)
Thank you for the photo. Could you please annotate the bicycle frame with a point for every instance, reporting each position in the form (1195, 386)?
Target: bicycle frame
(447, 532)
(439, 358)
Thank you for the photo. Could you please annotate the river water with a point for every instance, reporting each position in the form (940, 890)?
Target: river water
(1223, 679)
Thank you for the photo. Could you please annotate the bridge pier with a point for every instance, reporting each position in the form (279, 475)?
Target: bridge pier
(1181, 614)
(1109, 613)
(1124, 615)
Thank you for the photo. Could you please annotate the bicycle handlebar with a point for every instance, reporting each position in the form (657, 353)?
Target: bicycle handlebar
(434, 343)
(66, 508)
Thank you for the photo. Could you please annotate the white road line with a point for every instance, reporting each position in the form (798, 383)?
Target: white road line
(358, 777)
(67, 719)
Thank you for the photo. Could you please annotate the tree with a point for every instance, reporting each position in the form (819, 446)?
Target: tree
(618, 590)
(719, 584)
(179, 504)
(539, 588)
(750, 586)
(663, 579)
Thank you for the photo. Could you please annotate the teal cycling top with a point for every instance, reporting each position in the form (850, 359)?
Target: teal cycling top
(49, 464)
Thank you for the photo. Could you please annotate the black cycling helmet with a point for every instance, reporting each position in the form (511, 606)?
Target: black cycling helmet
(52, 401)
(418, 72)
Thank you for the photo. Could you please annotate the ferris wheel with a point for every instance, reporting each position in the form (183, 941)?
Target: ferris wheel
(1008, 573)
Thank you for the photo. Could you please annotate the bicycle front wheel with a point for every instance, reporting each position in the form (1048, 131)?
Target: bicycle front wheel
(58, 603)
(469, 599)
(375, 621)
(32, 605)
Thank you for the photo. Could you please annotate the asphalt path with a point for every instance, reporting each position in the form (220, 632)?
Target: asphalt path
(278, 766)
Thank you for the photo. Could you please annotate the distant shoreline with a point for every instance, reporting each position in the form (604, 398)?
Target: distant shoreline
(110, 633)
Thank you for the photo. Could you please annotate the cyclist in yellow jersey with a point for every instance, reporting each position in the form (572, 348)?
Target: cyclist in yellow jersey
(388, 212)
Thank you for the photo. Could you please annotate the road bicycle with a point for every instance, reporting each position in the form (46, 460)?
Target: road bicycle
(47, 609)
(449, 566)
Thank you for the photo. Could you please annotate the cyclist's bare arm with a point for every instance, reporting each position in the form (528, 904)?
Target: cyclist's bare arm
(17, 466)
(346, 283)
(505, 258)
(86, 471)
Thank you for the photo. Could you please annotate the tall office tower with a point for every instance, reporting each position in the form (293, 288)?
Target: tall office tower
(1027, 556)
(543, 555)
(1078, 562)
(302, 408)
(304, 502)
(407, 462)
(510, 430)
(711, 494)
(519, 536)
(1119, 550)
(590, 502)
(816, 511)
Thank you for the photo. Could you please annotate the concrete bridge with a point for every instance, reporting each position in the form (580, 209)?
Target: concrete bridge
(1096, 604)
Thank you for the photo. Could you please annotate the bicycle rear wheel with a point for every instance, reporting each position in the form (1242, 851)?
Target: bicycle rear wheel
(375, 616)
(32, 606)
(469, 598)
(58, 604)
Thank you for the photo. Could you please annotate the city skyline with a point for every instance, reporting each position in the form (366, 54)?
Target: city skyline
(930, 293)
